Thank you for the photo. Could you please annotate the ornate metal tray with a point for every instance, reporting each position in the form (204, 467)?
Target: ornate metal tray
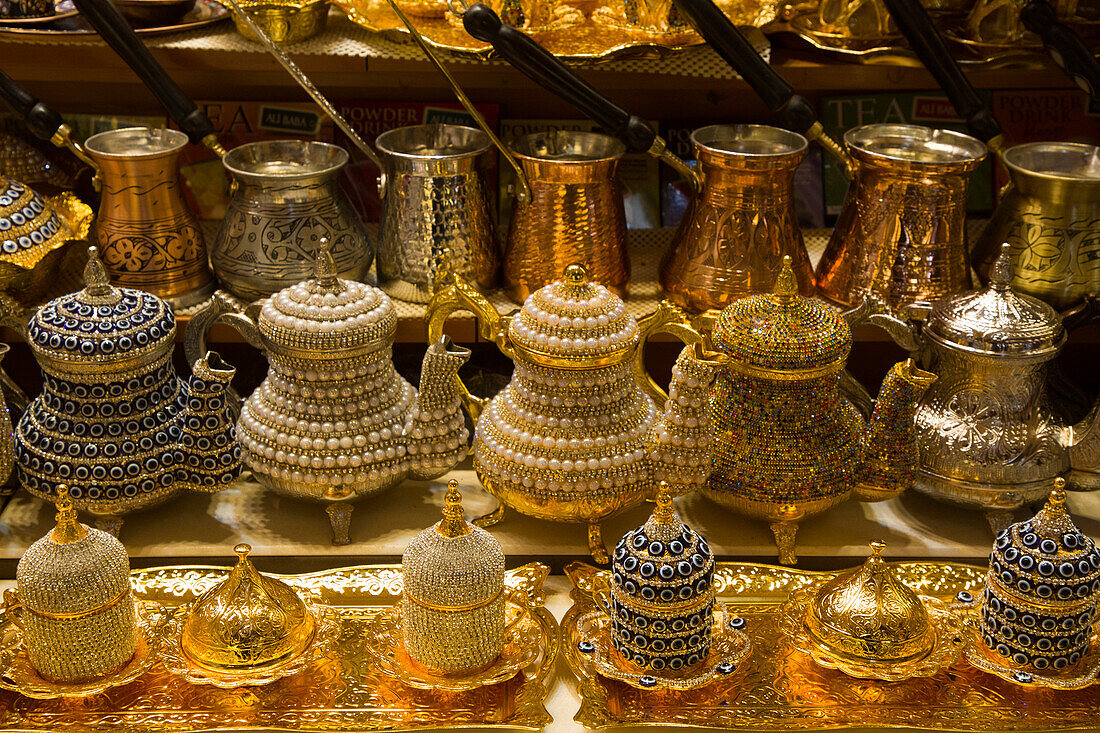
(587, 39)
(342, 691)
(782, 689)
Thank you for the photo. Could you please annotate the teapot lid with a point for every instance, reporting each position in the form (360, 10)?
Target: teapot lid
(29, 226)
(101, 323)
(573, 322)
(663, 564)
(869, 613)
(453, 564)
(326, 315)
(246, 621)
(781, 334)
(997, 319)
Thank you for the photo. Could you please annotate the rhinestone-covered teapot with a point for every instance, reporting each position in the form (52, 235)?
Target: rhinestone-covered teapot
(114, 423)
(333, 421)
(577, 434)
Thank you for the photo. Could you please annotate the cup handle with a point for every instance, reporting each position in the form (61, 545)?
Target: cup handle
(454, 293)
(671, 319)
(13, 607)
(601, 594)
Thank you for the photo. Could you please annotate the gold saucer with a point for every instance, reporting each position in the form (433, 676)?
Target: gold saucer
(950, 629)
(529, 636)
(729, 648)
(17, 674)
(325, 635)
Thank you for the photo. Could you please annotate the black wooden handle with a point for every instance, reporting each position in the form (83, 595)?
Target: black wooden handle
(41, 120)
(792, 111)
(927, 43)
(1064, 46)
(118, 34)
(549, 72)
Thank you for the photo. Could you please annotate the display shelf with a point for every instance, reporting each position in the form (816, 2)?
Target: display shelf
(288, 535)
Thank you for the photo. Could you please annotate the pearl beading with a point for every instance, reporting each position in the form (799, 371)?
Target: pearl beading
(574, 321)
(348, 314)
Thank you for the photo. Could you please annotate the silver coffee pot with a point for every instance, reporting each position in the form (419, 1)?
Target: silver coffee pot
(991, 434)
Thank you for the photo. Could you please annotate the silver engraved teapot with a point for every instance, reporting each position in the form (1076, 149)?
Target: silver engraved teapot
(991, 434)
(333, 421)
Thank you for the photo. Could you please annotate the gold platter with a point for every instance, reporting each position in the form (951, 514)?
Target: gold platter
(950, 628)
(342, 691)
(588, 39)
(781, 689)
(17, 674)
(529, 636)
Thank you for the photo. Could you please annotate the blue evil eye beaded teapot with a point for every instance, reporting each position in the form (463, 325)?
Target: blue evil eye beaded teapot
(114, 423)
(662, 592)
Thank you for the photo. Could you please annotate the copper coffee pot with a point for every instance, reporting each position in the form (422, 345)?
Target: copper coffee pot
(741, 222)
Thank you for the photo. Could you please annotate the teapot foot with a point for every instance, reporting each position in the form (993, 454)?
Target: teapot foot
(493, 517)
(109, 523)
(784, 540)
(339, 515)
(596, 547)
(999, 519)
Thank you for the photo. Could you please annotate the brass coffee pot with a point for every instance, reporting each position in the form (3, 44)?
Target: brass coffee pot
(578, 434)
(901, 234)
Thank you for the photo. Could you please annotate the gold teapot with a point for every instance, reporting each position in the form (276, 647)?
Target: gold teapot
(577, 435)
(787, 442)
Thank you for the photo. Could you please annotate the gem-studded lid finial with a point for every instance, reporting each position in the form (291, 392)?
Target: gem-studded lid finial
(325, 273)
(68, 529)
(662, 512)
(786, 286)
(1000, 272)
(453, 523)
(97, 283)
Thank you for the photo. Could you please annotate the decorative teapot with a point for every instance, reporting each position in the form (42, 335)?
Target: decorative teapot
(788, 443)
(577, 435)
(114, 423)
(990, 434)
(334, 421)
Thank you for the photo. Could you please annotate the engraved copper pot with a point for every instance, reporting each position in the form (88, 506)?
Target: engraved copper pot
(1051, 219)
(738, 228)
(575, 213)
(901, 234)
(147, 235)
(285, 202)
(435, 198)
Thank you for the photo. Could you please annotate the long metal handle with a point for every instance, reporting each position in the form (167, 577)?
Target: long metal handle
(792, 111)
(546, 70)
(1064, 46)
(917, 26)
(113, 28)
(43, 121)
(523, 190)
(304, 82)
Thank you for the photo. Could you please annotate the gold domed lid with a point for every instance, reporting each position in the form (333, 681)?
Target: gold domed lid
(869, 614)
(247, 621)
(574, 322)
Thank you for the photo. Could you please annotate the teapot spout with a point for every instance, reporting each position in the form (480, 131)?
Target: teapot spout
(436, 438)
(888, 452)
(680, 441)
(1083, 446)
(208, 440)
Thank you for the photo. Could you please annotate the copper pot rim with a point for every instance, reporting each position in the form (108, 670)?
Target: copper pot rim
(476, 143)
(968, 152)
(337, 159)
(171, 142)
(1014, 164)
(614, 149)
(796, 144)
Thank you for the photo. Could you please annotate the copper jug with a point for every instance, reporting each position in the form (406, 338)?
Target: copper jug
(574, 212)
(1050, 217)
(901, 234)
(148, 237)
(742, 222)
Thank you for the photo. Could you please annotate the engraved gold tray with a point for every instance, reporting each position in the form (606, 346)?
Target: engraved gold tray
(781, 689)
(342, 691)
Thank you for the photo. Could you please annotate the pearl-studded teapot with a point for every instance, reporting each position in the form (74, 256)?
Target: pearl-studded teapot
(577, 435)
(333, 421)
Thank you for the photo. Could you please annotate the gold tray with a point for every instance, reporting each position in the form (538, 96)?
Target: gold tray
(342, 691)
(781, 689)
(588, 39)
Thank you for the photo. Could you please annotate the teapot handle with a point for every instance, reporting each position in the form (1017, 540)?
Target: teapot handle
(454, 293)
(221, 309)
(668, 318)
